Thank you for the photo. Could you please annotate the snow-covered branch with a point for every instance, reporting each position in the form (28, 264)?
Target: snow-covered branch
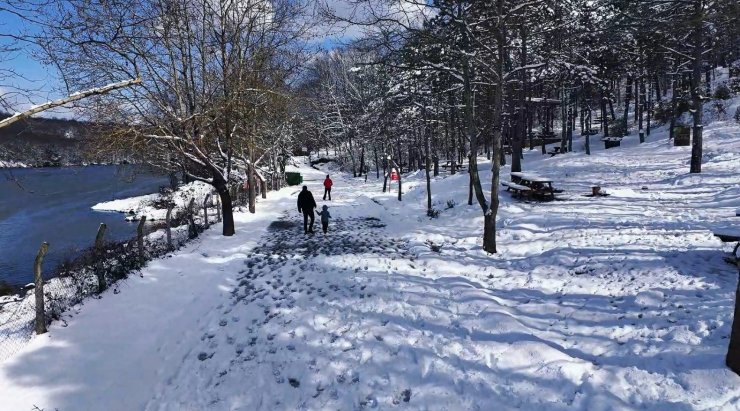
(72, 97)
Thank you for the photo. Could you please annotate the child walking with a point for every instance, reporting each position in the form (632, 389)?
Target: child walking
(325, 216)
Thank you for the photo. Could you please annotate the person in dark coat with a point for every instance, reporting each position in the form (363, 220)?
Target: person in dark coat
(327, 187)
(306, 205)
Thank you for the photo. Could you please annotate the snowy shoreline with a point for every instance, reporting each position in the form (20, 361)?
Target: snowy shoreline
(8, 164)
(144, 205)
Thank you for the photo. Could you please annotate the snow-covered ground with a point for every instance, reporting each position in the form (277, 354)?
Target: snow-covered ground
(618, 302)
(135, 207)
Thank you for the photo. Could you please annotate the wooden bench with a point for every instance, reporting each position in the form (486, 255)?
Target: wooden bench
(518, 189)
(729, 235)
(449, 165)
(555, 151)
(611, 142)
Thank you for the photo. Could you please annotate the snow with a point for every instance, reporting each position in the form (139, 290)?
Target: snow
(12, 164)
(592, 303)
(138, 206)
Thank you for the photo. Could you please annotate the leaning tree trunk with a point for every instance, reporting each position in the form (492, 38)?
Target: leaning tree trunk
(472, 135)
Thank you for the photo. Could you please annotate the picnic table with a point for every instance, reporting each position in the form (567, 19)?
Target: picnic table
(729, 235)
(518, 189)
(555, 151)
(541, 186)
(458, 166)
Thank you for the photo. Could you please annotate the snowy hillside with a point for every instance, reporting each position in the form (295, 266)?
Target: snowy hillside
(592, 303)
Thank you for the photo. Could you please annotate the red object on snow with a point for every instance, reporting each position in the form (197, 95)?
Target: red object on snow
(394, 175)
(328, 183)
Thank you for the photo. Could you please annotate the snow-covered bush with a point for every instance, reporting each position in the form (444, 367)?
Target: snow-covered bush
(735, 84)
(617, 128)
(662, 111)
(6, 289)
(450, 204)
(722, 92)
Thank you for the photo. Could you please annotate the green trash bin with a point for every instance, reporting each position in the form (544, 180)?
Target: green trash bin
(293, 179)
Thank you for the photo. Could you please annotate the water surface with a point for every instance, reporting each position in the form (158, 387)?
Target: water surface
(53, 205)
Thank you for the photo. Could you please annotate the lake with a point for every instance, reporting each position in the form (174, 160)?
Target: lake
(53, 205)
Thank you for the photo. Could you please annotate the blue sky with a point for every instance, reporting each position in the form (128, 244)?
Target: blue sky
(40, 82)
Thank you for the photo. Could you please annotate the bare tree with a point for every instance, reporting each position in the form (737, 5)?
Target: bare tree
(213, 73)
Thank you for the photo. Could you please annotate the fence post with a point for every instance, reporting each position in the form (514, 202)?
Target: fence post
(192, 231)
(168, 229)
(140, 239)
(205, 210)
(40, 325)
(99, 258)
(218, 208)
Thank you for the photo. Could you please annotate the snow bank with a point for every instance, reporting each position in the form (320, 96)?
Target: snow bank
(135, 207)
(12, 164)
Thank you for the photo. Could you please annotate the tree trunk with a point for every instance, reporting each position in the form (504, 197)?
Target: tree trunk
(673, 106)
(251, 188)
(489, 215)
(377, 166)
(640, 124)
(604, 119)
(472, 136)
(100, 258)
(520, 129)
(140, 239)
(627, 98)
(168, 226)
(453, 135)
(426, 165)
(563, 122)
(649, 108)
(696, 71)
(399, 186)
(226, 209)
(205, 210)
(40, 321)
(570, 127)
(733, 350)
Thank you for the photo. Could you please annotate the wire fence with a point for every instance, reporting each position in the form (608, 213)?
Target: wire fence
(88, 273)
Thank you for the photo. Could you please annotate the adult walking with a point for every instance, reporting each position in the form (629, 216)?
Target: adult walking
(327, 187)
(306, 205)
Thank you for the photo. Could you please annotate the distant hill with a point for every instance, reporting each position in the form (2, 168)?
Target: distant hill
(44, 142)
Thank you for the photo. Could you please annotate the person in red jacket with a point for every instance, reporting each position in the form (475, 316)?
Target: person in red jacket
(327, 187)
